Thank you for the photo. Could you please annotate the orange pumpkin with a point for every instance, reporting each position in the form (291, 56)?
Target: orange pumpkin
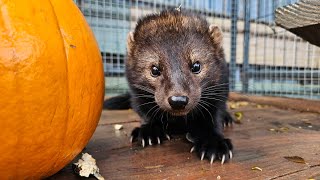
(51, 86)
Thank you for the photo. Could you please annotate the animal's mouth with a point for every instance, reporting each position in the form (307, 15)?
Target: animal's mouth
(179, 112)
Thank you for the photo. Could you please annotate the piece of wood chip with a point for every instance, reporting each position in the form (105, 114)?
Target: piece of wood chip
(154, 167)
(306, 121)
(259, 106)
(256, 168)
(280, 130)
(118, 126)
(295, 159)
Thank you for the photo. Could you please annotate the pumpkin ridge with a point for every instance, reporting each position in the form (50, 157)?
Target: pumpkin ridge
(67, 86)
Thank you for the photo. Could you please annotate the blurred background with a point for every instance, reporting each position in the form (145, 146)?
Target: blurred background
(263, 59)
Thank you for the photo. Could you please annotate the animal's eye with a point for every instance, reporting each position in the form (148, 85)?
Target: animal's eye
(196, 68)
(155, 71)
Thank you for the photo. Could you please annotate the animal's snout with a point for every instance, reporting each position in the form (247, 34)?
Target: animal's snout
(178, 102)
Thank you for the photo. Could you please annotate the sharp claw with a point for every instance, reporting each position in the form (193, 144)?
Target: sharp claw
(223, 159)
(150, 143)
(192, 149)
(131, 139)
(158, 140)
(230, 154)
(212, 158)
(143, 143)
(202, 155)
(168, 137)
(189, 138)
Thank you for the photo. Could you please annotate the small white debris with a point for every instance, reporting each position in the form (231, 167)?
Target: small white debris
(86, 165)
(309, 126)
(218, 177)
(118, 127)
(178, 8)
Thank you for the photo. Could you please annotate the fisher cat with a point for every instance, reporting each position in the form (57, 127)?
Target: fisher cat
(178, 80)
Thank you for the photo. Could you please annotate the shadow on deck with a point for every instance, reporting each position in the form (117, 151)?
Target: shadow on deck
(265, 136)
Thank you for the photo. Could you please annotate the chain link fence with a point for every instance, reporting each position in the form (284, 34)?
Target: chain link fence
(263, 58)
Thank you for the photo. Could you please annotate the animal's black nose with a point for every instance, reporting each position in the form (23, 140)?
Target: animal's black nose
(178, 102)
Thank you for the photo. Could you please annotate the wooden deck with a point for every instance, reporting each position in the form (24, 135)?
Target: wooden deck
(265, 136)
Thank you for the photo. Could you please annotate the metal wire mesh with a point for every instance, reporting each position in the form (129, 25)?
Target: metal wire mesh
(263, 58)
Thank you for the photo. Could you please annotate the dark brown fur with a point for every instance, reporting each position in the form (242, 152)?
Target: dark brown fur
(173, 41)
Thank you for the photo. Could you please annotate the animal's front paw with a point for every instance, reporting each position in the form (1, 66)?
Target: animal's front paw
(148, 135)
(228, 120)
(213, 148)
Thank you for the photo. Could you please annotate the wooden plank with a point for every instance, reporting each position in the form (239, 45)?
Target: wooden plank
(280, 102)
(301, 18)
(308, 173)
(303, 13)
(255, 145)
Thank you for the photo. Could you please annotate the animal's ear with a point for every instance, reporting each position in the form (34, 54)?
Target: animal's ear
(130, 41)
(216, 35)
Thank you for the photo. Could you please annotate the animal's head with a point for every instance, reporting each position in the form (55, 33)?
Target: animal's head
(174, 55)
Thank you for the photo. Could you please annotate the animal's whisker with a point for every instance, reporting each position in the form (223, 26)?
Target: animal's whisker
(155, 112)
(150, 102)
(217, 85)
(142, 94)
(208, 112)
(212, 98)
(144, 88)
(155, 106)
(208, 104)
(220, 87)
(196, 107)
(214, 91)
(161, 119)
(214, 95)
(143, 97)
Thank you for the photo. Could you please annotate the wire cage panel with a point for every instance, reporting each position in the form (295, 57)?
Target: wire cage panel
(263, 58)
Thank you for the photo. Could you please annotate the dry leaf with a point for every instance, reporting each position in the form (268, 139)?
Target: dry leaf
(238, 116)
(295, 159)
(283, 129)
(243, 103)
(233, 106)
(256, 168)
